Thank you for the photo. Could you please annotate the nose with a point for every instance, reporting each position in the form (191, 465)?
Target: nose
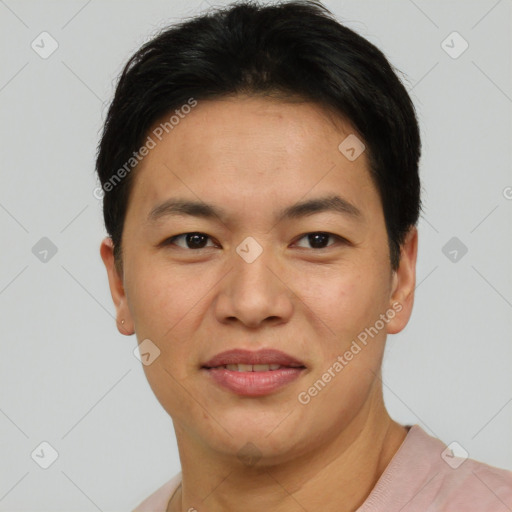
(254, 293)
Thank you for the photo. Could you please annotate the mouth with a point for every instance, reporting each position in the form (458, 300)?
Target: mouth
(247, 373)
(247, 360)
(251, 367)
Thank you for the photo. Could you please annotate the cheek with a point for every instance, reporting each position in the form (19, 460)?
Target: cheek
(158, 299)
(161, 303)
(346, 299)
(168, 306)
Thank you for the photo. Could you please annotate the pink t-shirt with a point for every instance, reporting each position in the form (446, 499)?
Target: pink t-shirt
(417, 479)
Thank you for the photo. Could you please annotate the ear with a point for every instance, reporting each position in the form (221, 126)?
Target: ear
(115, 281)
(404, 283)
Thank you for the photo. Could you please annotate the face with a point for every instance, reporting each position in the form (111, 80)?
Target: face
(259, 272)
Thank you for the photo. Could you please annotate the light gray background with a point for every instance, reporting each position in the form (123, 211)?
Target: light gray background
(69, 378)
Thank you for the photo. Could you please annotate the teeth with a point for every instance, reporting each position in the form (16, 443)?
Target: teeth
(251, 367)
(261, 367)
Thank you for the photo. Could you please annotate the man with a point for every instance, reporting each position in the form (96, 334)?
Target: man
(261, 192)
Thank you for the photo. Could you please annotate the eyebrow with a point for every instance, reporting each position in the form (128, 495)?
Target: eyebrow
(332, 203)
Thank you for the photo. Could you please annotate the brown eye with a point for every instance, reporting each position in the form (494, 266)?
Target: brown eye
(319, 239)
(194, 240)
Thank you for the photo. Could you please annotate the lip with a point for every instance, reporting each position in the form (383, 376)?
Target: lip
(253, 383)
(264, 356)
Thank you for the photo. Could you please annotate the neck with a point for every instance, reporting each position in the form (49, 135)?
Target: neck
(337, 474)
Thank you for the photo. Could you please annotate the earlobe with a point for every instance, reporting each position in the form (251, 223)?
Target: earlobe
(115, 280)
(404, 283)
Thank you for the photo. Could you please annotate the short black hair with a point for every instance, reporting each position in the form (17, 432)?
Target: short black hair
(295, 49)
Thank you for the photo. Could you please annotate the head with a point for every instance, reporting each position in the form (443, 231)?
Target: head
(300, 147)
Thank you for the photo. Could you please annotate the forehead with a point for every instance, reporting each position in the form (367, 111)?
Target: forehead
(258, 125)
(251, 151)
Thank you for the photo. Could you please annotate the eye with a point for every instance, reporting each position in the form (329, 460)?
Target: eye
(319, 239)
(197, 240)
(193, 240)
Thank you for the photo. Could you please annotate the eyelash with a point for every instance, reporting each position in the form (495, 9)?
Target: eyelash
(339, 239)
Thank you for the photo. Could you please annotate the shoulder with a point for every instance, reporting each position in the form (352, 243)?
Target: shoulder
(425, 474)
(475, 486)
(460, 483)
(157, 502)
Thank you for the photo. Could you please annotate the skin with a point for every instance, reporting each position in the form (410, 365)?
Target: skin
(254, 156)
